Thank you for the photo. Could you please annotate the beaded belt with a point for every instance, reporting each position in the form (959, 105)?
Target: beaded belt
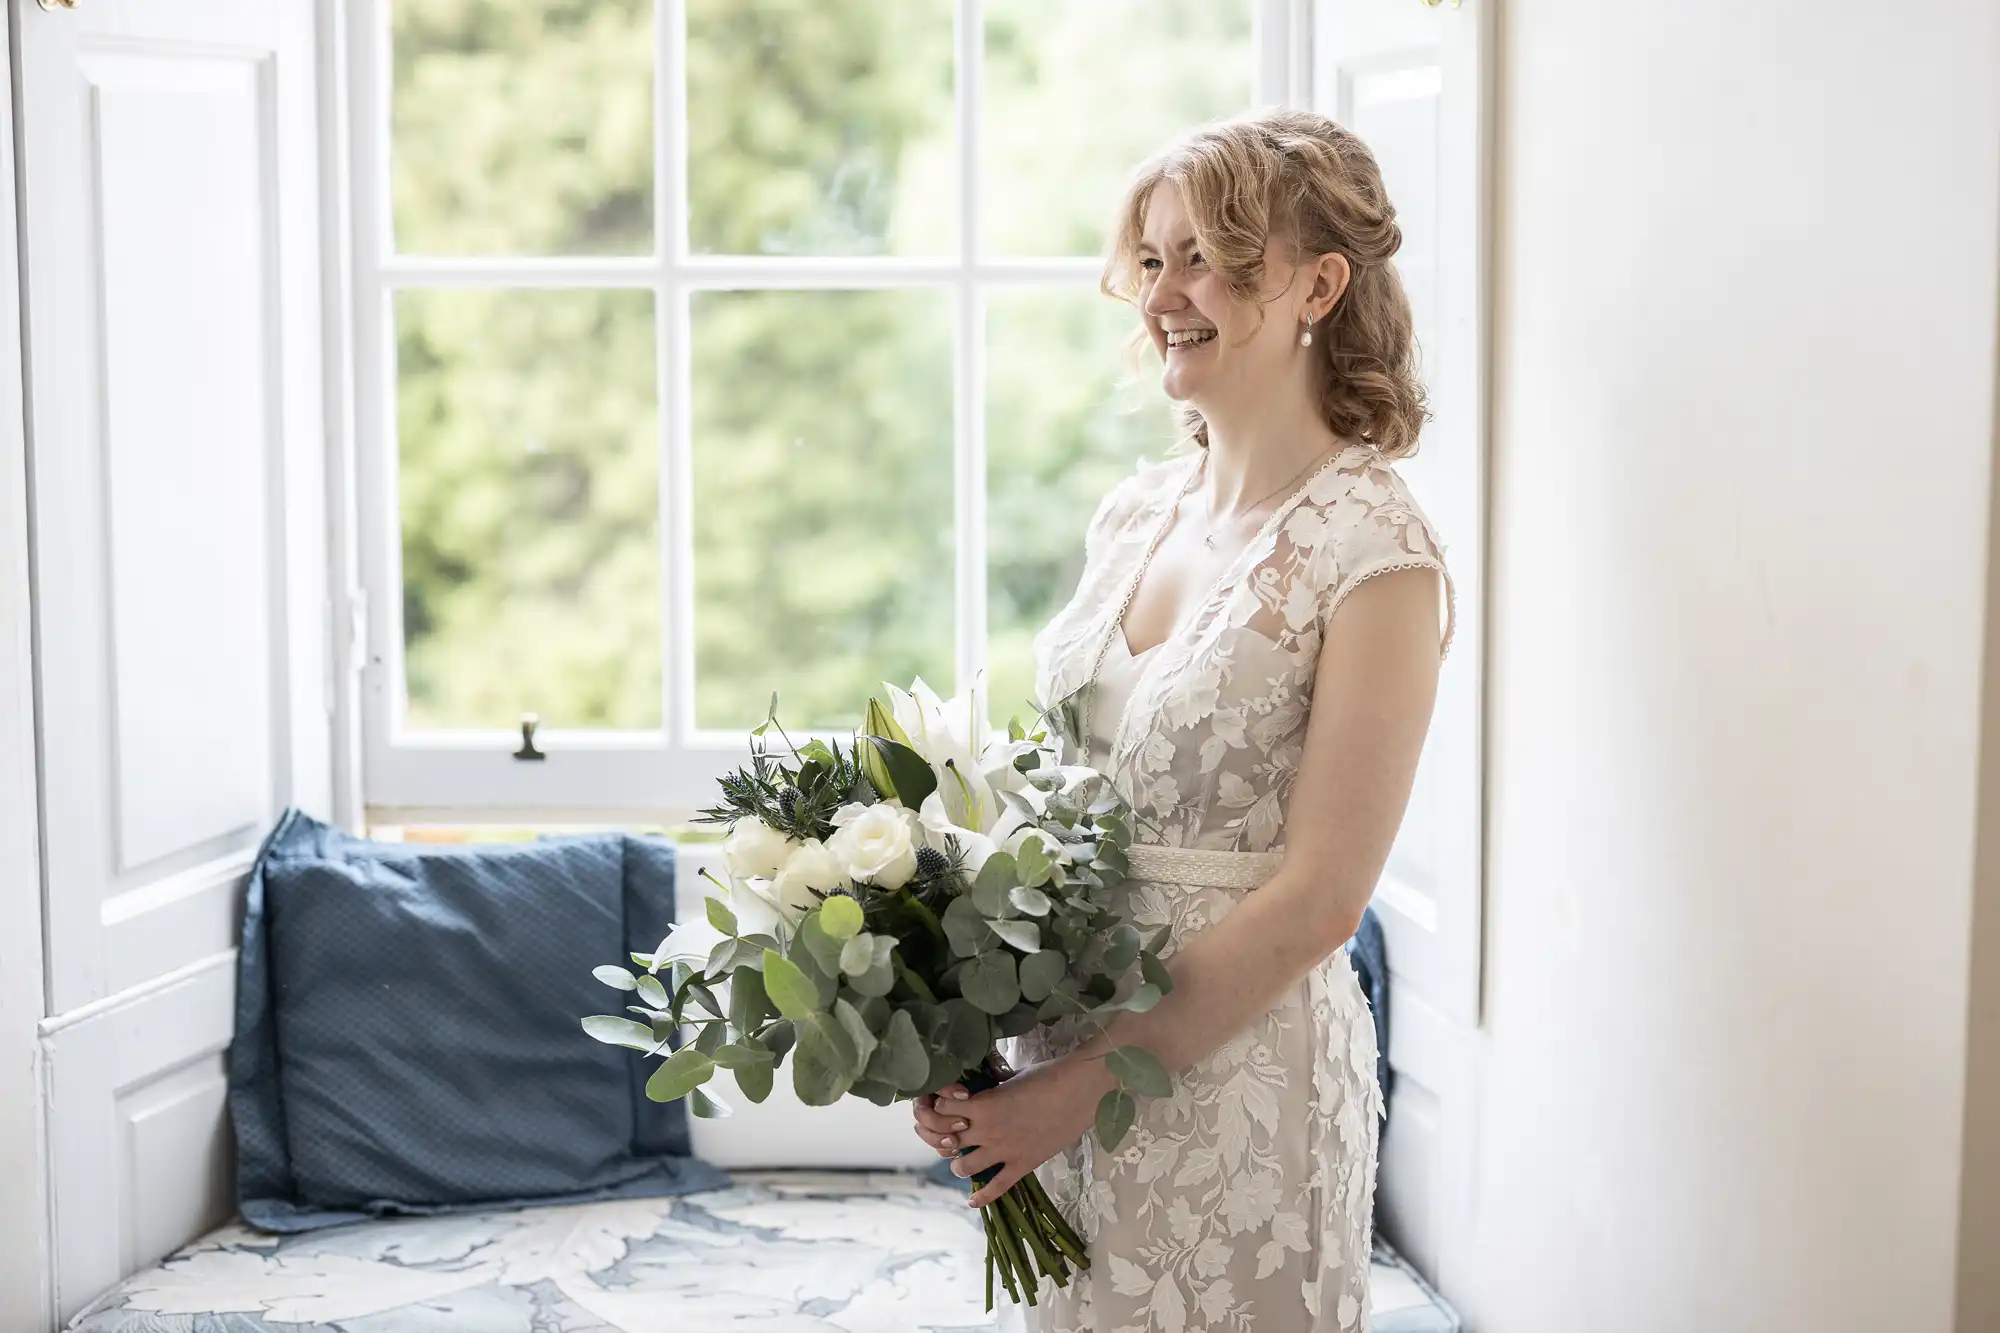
(1200, 868)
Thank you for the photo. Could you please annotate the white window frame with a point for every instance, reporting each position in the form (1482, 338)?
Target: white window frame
(664, 774)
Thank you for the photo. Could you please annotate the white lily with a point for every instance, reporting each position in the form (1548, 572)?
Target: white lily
(942, 832)
(945, 735)
(688, 942)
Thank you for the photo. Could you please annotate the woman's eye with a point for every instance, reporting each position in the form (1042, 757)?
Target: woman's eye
(1150, 265)
(1195, 260)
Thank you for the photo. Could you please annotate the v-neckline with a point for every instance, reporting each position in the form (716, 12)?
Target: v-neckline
(1221, 581)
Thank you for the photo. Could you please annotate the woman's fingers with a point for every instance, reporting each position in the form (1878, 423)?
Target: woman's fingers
(996, 1187)
(940, 1121)
(972, 1162)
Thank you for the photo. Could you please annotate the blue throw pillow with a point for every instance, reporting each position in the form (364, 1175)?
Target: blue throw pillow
(408, 1033)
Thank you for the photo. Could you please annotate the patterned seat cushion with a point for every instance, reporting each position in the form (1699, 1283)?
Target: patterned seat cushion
(778, 1252)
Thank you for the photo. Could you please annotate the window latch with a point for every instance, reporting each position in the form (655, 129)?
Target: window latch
(529, 721)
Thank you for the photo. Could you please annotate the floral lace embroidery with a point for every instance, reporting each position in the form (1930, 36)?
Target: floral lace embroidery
(1243, 1201)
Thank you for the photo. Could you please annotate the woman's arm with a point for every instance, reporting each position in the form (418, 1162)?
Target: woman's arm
(1377, 679)
(1372, 698)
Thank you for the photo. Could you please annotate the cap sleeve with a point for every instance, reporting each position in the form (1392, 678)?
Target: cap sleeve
(1120, 509)
(1379, 530)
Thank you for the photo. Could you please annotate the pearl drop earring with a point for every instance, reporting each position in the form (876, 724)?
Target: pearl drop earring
(1306, 338)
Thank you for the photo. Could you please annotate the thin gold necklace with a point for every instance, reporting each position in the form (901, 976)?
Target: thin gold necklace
(1208, 501)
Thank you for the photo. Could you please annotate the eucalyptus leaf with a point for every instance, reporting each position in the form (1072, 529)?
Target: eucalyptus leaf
(875, 981)
(1031, 902)
(901, 1060)
(615, 1031)
(1160, 937)
(1138, 1069)
(874, 1011)
(1155, 971)
(699, 992)
(1123, 950)
(1033, 862)
(755, 1080)
(968, 1033)
(1023, 935)
(738, 1055)
(1140, 1000)
(1040, 973)
(710, 1038)
(815, 939)
(823, 1065)
(863, 1040)
(1115, 1112)
(749, 1005)
(875, 1090)
(1021, 1018)
(720, 916)
(651, 991)
(989, 981)
(840, 917)
(790, 989)
(615, 977)
(709, 1106)
(683, 1072)
(964, 927)
(990, 887)
(779, 1037)
(858, 954)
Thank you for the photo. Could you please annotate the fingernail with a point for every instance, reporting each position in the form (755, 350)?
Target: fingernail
(948, 1141)
(961, 1124)
(960, 1094)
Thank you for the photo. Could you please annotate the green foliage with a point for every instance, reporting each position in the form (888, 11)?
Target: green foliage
(790, 989)
(821, 459)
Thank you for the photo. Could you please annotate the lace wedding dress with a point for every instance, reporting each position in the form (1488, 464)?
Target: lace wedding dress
(1243, 1201)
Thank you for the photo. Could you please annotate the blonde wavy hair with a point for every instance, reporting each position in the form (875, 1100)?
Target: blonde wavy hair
(1298, 176)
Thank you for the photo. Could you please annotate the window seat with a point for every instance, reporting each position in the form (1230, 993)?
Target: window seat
(780, 1252)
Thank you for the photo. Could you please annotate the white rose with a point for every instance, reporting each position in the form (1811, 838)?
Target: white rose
(875, 843)
(810, 874)
(755, 850)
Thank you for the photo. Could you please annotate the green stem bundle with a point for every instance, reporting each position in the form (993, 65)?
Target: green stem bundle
(1027, 1237)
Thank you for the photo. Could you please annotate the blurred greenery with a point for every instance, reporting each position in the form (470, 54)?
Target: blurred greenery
(821, 457)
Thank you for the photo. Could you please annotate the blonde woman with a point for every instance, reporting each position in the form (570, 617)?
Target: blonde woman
(1261, 620)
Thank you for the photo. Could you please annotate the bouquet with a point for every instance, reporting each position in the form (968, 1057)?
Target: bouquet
(894, 906)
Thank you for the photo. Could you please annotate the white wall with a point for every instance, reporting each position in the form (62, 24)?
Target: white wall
(24, 1246)
(1743, 431)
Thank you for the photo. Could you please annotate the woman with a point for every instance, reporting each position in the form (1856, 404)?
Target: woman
(1261, 620)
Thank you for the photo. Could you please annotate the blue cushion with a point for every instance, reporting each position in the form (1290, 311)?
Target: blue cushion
(407, 1028)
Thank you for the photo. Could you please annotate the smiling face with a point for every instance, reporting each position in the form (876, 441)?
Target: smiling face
(1218, 346)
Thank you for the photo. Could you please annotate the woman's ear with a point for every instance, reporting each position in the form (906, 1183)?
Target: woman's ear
(1330, 276)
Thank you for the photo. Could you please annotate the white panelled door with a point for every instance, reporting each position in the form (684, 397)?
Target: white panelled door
(1412, 81)
(169, 232)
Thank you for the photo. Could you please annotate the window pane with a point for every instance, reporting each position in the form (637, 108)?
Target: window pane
(1077, 95)
(822, 501)
(522, 127)
(1069, 412)
(529, 483)
(820, 129)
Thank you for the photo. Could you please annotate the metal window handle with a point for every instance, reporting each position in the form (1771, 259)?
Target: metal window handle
(529, 721)
(53, 5)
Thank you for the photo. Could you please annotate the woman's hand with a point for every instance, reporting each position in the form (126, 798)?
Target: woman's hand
(1024, 1122)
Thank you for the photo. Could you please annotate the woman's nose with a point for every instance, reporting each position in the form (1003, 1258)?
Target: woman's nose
(1165, 295)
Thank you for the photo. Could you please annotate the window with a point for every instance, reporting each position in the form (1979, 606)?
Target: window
(711, 348)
